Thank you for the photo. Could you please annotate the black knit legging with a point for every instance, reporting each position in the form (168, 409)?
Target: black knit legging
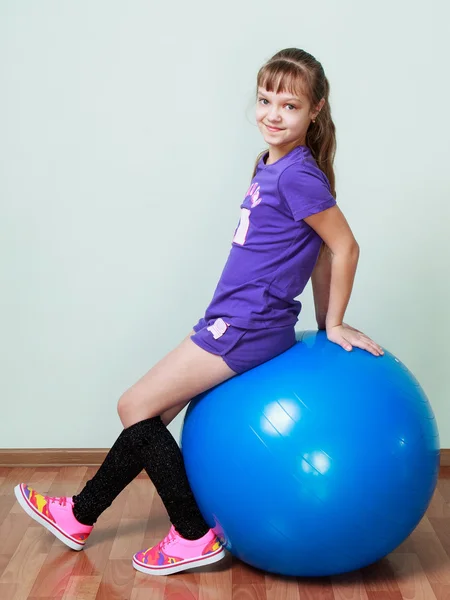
(145, 445)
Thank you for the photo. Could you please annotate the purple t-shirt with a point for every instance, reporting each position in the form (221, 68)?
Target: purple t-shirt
(273, 251)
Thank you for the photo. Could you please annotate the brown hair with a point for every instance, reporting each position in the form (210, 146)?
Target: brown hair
(292, 70)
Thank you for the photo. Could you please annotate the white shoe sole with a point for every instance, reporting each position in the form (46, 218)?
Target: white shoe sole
(184, 565)
(63, 537)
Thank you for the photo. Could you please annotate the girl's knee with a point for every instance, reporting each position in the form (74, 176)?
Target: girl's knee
(126, 407)
(131, 408)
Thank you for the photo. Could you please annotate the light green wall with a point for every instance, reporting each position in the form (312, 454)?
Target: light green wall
(127, 142)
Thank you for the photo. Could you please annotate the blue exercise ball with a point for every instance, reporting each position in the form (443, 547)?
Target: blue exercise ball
(317, 462)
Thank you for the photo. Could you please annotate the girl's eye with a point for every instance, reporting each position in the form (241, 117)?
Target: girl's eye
(265, 100)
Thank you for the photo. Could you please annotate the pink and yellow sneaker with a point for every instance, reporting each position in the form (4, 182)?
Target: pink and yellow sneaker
(174, 553)
(55, 514)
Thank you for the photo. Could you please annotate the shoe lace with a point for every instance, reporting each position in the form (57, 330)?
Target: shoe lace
(62, 500)
(169, 539)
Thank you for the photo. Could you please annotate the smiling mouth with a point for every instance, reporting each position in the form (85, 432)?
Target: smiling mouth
(273, 128)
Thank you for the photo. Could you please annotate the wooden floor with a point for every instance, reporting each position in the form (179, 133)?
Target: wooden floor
(36, 566)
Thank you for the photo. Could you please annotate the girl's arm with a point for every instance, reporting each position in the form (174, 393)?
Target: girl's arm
(321, 279)
(335, 269)
(333, 228)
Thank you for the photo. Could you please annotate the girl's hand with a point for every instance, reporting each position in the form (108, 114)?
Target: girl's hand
(347, 337)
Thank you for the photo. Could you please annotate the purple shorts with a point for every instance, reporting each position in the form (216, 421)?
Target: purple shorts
(242, 349)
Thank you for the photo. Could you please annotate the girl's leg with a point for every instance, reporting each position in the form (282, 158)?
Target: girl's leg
(185, 372)
(146, 442)
(169, 415)
(131, 466)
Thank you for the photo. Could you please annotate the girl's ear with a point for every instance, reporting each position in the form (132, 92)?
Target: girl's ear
(319, 108)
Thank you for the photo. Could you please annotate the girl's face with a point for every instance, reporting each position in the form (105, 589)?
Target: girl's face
(283, 119)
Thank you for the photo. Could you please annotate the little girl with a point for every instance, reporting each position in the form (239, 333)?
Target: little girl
(290, 230)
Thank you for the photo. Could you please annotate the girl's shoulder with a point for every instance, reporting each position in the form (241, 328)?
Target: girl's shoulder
(306, 171)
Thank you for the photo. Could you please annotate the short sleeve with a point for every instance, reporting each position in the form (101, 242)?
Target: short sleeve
(305, 189)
